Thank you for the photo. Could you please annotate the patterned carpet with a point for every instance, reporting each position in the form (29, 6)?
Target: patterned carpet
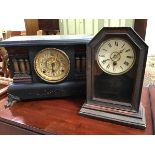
(149, 78)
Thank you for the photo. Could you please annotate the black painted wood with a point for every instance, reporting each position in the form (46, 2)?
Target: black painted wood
(26, 48)
(45, 40)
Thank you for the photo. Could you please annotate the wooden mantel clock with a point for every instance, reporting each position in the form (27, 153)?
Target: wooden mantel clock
(46, 66)
(116, 59)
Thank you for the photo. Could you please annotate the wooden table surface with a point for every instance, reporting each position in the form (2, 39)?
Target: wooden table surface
(60, 116)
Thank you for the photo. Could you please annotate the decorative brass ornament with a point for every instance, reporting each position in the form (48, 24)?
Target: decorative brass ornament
(52, 65)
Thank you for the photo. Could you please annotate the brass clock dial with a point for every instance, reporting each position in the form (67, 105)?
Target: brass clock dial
(115, 56)
(52, 65)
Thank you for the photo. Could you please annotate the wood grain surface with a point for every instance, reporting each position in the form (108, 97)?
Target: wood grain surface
(60, 116)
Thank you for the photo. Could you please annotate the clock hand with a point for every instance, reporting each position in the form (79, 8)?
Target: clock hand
(121, 50)
(52, 67)
(115, 56)
(114, 64)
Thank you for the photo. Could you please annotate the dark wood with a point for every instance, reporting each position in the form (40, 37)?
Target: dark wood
(140, 27)
(152, 102)
(60, 116)
(116, 98)
(7, 129)
(49, 26)
(31, 26)
(134, 119)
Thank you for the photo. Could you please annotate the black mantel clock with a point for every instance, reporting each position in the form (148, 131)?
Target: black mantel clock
(46, 66)
(115, 70)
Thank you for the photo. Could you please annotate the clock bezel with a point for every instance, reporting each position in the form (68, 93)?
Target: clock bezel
(45, 78)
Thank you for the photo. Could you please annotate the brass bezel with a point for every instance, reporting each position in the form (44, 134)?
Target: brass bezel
(46, 78)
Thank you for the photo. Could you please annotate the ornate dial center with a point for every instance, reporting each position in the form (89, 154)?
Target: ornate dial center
(115, 56)
(52, 65)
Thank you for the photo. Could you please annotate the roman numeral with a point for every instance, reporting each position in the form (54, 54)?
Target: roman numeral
(127, 50)
(130, 57)
(102, 55)
(104, 49)
(114, 69)
(104, 61)
(121, 67)
(126, 63)
(123, 45)
(108, 66)
(116, 43)
(109, 45)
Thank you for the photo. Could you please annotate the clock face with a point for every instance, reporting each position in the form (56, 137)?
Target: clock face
(115, 56)
(52, 65)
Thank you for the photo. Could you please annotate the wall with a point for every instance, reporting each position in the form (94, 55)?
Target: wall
(90, 26)
(150, 36)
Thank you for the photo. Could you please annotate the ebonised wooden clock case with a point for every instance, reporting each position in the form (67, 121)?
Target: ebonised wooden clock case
(116, 59)
(27, 84)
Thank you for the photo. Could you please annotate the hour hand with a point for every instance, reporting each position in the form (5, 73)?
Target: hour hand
(53, 67)
(121, 50)
(114, 64)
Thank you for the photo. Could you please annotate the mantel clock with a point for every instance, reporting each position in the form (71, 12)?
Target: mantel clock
(46, 66)
(116, 59)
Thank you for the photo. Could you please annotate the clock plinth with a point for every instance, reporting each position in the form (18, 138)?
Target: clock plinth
(129, 118)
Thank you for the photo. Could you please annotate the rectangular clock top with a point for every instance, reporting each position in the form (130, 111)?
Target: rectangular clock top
(45, 40)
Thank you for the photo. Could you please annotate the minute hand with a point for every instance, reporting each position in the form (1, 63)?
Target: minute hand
(121, 51)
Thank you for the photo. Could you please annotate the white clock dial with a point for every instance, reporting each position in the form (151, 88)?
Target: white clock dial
(115, 56)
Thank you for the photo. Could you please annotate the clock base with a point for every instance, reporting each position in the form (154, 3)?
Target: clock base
(129, 118)
(18, 92)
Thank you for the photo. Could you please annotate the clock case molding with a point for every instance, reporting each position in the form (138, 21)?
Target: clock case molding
(132, 114)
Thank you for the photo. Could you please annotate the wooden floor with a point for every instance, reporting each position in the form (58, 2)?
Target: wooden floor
(60, 116)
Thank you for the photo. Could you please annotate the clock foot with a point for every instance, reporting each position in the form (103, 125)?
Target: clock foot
(129, 118)
(11, 100)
